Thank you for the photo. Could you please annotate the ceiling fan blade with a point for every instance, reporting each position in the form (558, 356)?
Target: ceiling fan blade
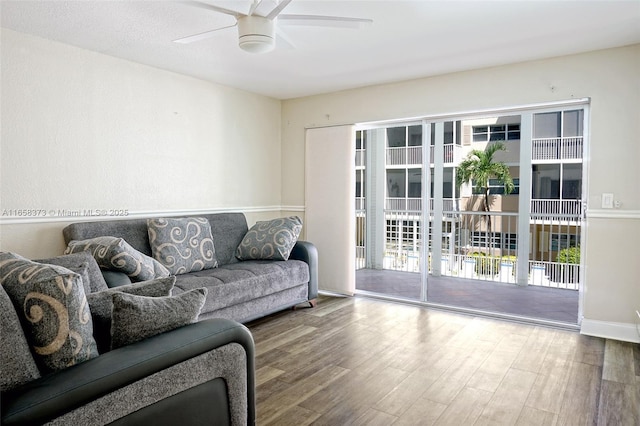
(283, 40)
(201, 36)
(276, 11)
(254, 6)
(208, 6)
(324, 21)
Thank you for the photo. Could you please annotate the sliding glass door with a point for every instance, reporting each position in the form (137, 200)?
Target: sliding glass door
(463, 211)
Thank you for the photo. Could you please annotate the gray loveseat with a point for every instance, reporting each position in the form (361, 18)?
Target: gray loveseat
(237, 290)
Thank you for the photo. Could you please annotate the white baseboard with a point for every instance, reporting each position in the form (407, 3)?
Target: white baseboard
(626, 332)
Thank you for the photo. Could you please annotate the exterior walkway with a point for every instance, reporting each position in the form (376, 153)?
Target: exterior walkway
(550, 304)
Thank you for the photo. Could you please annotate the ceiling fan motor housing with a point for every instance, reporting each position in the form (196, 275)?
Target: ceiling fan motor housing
(256, 34)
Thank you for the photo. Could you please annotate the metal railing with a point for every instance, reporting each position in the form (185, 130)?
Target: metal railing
(474, 249)
(570, 208)
(404, 204)
(404, 155)
(569, 148)
(449, 206)
(452, 154)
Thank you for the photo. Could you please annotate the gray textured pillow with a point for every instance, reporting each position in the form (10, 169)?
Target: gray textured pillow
(270, 240)
(16, 362)
(115, 254)
(138, 317)
(53, 310)
(182, 245)
(83, 264)
(101, 305)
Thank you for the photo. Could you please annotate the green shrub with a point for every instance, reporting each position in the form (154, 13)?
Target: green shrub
(485, 265)
(569, 255)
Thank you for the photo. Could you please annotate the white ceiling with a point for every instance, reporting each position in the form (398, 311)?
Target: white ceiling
(408, 39)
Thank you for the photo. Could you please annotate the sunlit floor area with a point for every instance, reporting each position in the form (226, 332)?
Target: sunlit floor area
(549, 304)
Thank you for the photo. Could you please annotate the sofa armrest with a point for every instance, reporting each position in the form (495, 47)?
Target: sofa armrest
(307, 252)
(56, 394)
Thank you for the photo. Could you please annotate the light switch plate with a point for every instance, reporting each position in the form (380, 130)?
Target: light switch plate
(607, 201)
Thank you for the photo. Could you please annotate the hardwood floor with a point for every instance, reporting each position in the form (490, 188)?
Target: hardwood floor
(361, 361)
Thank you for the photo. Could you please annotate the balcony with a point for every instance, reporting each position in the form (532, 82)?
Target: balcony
(564, 210)
(452, 154)
(412, 206)
(554, 149)
(411, 155)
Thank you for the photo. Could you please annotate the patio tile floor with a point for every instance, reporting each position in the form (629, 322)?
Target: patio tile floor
(535, 302)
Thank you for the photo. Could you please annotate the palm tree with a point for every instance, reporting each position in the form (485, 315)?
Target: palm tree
(479, 167)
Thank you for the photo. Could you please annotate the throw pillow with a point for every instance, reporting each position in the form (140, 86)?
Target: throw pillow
(270, 240)
(52, 307)
(16, 362)
(116, 254)
(183, 244)
(83, 264)
(101, 305)
(138, 317)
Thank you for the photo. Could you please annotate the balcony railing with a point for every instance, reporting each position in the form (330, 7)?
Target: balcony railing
(553, 208)
(404, 156)
(474, 250)
(557, 148)
(413, 205)
(452, 154)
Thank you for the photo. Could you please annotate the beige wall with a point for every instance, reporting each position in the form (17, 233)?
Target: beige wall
(82, 130)
(608, 77)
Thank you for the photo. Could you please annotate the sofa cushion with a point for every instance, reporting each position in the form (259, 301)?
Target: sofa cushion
(117, 255)
(101, 305)
(83, 264)
(115, 278)
(182, 245)
(16, 362)
(243, 281)
(270, 240)
(138, 317)
(52, 306)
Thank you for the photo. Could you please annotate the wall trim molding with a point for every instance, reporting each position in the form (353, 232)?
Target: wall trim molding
(88, 215)
(612, 214)
(292, 208)
(626, 332)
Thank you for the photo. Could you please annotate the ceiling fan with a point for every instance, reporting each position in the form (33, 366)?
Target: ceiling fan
(257, 28)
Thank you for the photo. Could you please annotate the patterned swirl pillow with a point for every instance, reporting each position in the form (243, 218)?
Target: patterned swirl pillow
(17, 365)
(182, 245)
(270, 240)
(83, 264)
(115, 254)
(52, 307)
(137, 317)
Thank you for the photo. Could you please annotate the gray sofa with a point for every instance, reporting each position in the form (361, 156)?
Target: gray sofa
(237, 290)
(202, 373)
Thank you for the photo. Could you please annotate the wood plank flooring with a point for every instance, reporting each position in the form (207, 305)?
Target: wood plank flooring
(361, 361)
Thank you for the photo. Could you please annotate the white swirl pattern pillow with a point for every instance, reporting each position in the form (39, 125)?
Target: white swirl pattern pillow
(182, 245)
(270, 240)
(53, 309)
(115, 254)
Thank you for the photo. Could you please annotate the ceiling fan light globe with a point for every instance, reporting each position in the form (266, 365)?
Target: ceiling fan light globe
(256, 34)
(256, 43)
